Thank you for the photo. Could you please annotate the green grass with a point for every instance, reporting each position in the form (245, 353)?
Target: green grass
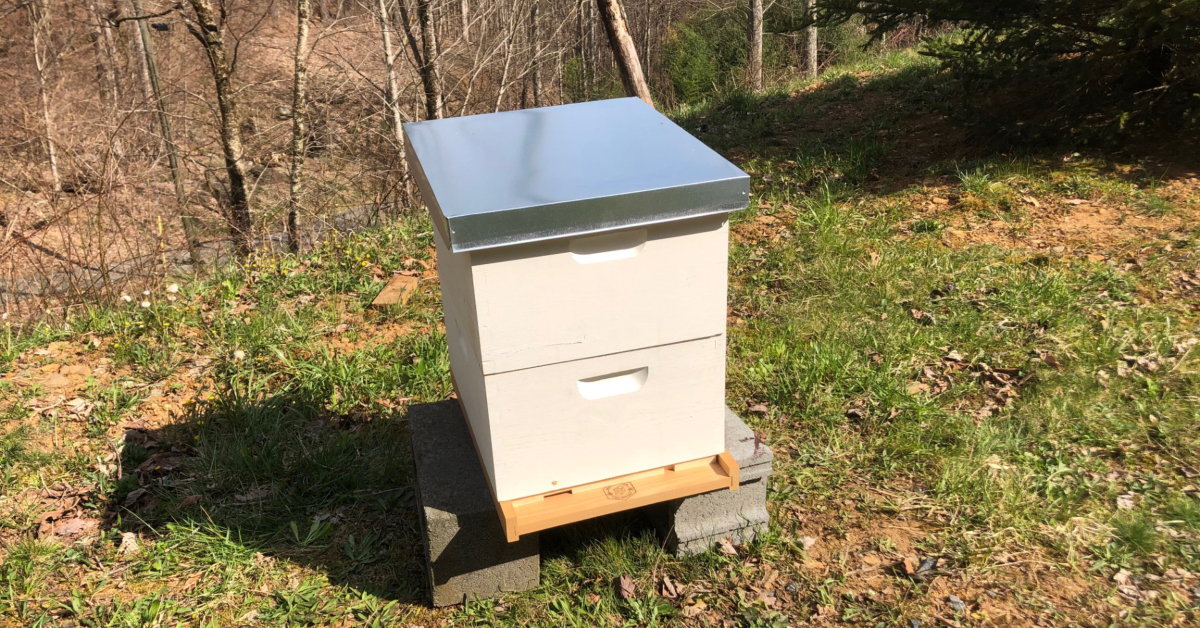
(983, 404)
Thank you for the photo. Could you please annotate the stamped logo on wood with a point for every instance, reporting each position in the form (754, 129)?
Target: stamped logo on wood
(620, 491)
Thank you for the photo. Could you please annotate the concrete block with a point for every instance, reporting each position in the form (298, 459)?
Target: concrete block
(693, 524)
(750, 452)
(467, 552)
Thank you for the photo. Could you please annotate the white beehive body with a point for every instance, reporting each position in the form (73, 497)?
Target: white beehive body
(576, 366)
(582, 252)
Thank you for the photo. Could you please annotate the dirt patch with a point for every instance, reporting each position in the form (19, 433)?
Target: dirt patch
(370, 334)
(875, 551)
(1092, 229)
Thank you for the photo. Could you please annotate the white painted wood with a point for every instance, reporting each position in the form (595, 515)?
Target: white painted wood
(583, 359)
(547, 302)
(469, 379)
(581, 421)
(458, 293)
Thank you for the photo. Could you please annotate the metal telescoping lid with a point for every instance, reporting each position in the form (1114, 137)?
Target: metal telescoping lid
(508, 178)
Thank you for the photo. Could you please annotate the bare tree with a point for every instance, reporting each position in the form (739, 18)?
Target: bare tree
(507, 43)
(535, 76)
(38, 15)
(466, 20)
(209, 30)
(810, 40)
(106, 57)
(190, 227)
(431, 68)
(143, 70)
(755, 66)
(623, 49)
(340, 147)
(391, 90)
(299, 111)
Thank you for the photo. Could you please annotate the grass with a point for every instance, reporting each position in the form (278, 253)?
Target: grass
(943, 375)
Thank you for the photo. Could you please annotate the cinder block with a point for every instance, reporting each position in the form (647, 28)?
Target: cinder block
(467, 552)
(693, 524)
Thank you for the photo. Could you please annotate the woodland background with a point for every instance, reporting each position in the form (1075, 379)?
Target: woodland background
(136, 148)
(117, 134)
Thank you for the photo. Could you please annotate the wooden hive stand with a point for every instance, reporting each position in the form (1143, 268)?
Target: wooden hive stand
(556, 508)
(625, 492)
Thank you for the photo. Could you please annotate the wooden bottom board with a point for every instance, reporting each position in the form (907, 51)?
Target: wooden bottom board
(626, 492)
(556, 508)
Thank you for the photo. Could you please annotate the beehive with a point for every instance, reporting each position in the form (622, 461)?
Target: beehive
(582, 253)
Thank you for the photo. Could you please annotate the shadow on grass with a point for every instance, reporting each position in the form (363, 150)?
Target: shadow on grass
(290, 482)
(285, 478)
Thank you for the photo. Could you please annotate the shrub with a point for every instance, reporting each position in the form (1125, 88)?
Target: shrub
(1075, 65)
(706, 54)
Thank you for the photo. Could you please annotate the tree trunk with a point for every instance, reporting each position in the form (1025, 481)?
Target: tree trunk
(143, 70)
(623, 49)
(37, 19)
(430, 71)
(392, 90)
(106, 74)
(299, 111)
(581, 45)
(535, 75)
(509, 39)
(466, 20)
(593, 50)
(810, 41)
(756, 46)
(208, 30)
(406, 22)
(190, 227)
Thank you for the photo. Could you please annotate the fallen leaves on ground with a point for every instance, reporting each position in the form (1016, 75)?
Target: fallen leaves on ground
(626, 587)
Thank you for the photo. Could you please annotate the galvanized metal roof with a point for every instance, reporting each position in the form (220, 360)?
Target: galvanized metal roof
(522, 176)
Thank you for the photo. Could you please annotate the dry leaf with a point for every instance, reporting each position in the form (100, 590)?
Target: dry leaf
(626, 587)
(129, 544)
(695, 609)
(669, 590)
(727, 547)
(253, 495)
(918, 388)
(1125, 502)
(190, 583)
(1122, 577)
(1051, 361)
(189, 501)
(133, 497)
(808, 542)
(771, 575)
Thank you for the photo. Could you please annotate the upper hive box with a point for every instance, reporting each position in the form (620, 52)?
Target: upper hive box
(582, 251)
